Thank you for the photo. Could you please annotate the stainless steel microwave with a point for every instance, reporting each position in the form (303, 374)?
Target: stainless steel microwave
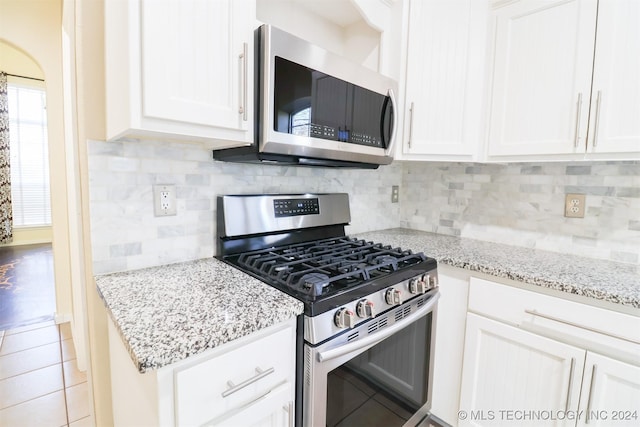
(316, 108)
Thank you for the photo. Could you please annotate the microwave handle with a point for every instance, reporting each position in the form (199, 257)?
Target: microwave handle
(374, 339)
(391, 98)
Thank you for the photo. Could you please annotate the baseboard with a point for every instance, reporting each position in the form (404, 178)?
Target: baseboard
(62, 318)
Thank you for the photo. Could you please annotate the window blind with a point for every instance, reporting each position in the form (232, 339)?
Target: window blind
(30, 191)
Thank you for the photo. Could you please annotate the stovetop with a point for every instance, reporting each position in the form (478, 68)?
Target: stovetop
(327, 273)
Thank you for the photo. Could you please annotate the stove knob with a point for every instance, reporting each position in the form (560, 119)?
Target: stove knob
(431, 281)
(344, 318)
(392, 297)
(418, 286)
(364, 309)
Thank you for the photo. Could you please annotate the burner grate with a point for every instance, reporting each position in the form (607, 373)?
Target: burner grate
(329, 265)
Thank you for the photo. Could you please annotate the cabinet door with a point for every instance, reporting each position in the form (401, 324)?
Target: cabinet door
(508, 369)
(445, 64)
(194, 61)
(611, 392)
(274, 409)
(541, 77)
(449, 348)
(615, 105)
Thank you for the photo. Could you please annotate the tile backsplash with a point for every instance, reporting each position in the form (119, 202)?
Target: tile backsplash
(126, 235)
(520, 204)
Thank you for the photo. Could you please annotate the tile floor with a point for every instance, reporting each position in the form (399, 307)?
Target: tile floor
(40, 384)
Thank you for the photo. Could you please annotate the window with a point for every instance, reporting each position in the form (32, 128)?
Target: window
(29, 156)
(300, 122)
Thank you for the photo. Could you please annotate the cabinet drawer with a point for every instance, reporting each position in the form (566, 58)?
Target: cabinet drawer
(203, 391)
(531, 309)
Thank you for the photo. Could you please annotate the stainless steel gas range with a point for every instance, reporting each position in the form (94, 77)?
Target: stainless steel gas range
(366, 338)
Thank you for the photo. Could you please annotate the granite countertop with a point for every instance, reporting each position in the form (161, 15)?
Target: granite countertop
(166, 314)
(604, 280)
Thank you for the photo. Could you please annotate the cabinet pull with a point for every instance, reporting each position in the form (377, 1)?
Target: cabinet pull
(593, 380)
(410, 125)
(587, 328)
(597, 121)
(288, 408)
(566, 403)
(259, 375)
(579, 111)
(243, 70)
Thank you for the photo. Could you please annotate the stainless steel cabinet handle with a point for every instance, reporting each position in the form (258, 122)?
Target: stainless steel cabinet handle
(243, 69)
(288, 408)
(556, 319)
(410, 125)
(597, 120)
(573, 365)
(259, 375)
(579, 111)
(593, 380)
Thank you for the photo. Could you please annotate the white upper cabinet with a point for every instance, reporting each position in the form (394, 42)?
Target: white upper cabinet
(541, 77)
(180, 70)
(444, 79)
(541, 98)
(615, 101)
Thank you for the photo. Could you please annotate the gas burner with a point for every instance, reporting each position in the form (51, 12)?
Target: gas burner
(307, 254)
(386, 260)
(324, 267)
(315, 282)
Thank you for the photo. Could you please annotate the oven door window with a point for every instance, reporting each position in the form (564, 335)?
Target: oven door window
(385, 385)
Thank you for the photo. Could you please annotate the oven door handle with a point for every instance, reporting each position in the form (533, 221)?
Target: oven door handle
(374, 339)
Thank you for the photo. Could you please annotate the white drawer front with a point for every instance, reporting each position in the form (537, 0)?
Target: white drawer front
(534, 310)
(203, 392)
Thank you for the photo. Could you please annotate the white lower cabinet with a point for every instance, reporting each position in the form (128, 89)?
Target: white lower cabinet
(611, 392)
(507, 369)
(247, 382)
(538, 360)
(274, 409)
(449, 347)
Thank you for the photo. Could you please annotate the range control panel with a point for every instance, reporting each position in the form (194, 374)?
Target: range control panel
(295, 207)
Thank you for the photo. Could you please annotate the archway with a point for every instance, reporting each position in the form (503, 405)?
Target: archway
(26, 263)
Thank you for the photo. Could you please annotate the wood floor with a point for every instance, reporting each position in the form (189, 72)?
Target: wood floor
(27, 290)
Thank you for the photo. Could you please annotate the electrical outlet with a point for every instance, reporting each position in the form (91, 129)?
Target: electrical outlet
(395, 193)
(164, 200)
(574, 205)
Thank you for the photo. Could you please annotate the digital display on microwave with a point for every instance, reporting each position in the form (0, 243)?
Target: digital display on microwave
(313, 104)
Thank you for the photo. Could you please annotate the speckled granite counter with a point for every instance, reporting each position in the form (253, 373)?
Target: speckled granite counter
(165, 314)
(603, 280)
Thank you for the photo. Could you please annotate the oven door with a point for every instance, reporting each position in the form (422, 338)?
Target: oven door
(378, 374)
